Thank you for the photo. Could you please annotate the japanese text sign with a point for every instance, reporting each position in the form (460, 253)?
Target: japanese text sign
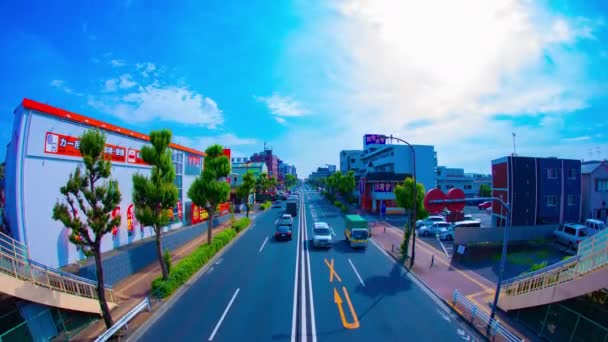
(383, 187)
(375, 139)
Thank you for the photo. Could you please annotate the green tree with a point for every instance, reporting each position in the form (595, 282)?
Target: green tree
(272, 183)
(209, 189)
(346, 185)
(246, 189)
(155, 197)
(87, 213)
(404, 195)
(290, 180)
(262, 183)
(485, 190)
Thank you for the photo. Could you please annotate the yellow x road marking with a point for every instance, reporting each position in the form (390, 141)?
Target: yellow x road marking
(332, 271)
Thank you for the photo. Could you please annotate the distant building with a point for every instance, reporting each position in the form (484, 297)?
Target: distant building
(271, 161)
(381, 165)
(239, 160)
(470, 183)
(595, 190)
(322, 172)
(237, 173)
(539, 190)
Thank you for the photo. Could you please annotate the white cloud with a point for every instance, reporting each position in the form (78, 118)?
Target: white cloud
(126, 81)
(282, 106)
(169, 103)
(110, 85)
(146, 68)
(395, 62)
(60, 84)
(227, 140)
(118, 63)
(581, 138)
(280, 120)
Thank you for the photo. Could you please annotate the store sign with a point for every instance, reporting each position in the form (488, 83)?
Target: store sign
(223, 208)
(384, 187)
(66, 145)
(377, 139)
(115, 212)
(130, 219)
(199, 214)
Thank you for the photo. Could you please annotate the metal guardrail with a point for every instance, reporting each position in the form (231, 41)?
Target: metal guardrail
(14, 262)
(561, 272)
(496, 329)
(123, 322)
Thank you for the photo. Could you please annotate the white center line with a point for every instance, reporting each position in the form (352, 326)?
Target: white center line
(217, 326)
(264, 244)
(357, 273)
(303, 320)
(295, 286)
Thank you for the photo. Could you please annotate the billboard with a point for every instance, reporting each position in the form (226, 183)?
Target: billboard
(374, 139)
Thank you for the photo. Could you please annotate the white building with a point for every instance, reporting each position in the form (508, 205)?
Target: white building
(380, 166)
(43, 151)
(470, 183)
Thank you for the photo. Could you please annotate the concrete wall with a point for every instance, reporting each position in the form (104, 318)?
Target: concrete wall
(132, 259)
(467, 235)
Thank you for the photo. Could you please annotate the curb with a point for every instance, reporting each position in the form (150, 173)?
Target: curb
(136, 335)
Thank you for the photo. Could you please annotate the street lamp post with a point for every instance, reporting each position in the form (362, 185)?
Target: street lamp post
(415, 209)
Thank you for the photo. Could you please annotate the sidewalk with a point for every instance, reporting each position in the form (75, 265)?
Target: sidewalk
(442, 278)
(135, 288)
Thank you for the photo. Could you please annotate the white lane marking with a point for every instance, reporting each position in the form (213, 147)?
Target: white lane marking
(210, 270)
(303, 317)
(295, 285)
(217, 326)
(264, 244)
(313, 323)
(443, 247)
(219, 261)
(357, 273)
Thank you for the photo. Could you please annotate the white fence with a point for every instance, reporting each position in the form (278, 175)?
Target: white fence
(145, 304)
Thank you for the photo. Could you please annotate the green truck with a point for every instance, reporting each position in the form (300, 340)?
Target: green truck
(356, 231)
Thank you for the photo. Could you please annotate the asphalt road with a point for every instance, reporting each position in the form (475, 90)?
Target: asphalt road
(264, 290)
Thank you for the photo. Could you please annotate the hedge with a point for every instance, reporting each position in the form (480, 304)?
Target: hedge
(265, 205)
(188, 266)
(241, 224)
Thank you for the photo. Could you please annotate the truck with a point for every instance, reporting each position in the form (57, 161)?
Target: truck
(292, 207)
(356, 231)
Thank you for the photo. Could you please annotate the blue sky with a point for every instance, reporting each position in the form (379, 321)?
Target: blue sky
(311, 78)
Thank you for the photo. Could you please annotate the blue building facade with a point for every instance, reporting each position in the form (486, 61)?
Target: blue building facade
(539, 190)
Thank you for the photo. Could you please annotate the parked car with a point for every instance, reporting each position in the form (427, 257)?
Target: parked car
(595, 226)
(484, 205)
(448, 233)
(429, 221)
(571, 234)
(433, 229)
(285, 220)
(283, 232)
(321, 235)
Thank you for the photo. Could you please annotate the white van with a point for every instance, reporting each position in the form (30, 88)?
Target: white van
(595, 226)
(571, 234)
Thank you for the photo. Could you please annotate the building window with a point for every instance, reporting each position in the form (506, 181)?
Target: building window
(193, 165)
(572, 173)
(571, 200)
(468, 187)
(551, 201)
(552, 173)
(601, 185)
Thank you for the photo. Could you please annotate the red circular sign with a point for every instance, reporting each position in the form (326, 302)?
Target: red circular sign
(456, 194)
(434, 195)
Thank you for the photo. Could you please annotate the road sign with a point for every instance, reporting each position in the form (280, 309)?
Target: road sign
(456, 194)
(434, 195)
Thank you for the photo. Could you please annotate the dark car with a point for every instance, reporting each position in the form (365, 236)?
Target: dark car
(283, 233)
(276, 204)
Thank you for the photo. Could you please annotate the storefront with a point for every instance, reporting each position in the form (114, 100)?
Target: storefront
(43, 151)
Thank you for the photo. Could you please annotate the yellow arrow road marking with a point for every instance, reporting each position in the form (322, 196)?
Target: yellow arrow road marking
(332, 271)
(338, 301)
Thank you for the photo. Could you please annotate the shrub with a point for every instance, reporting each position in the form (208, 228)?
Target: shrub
(189, 265)
(167, 259)
(265, 205)
(241, 224)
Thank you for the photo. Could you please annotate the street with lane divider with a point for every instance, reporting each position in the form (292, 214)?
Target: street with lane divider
(265, 290)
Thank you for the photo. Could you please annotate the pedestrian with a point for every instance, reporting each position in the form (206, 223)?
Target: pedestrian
(432, 260)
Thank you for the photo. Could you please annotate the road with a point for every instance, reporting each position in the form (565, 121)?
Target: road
(264, 290)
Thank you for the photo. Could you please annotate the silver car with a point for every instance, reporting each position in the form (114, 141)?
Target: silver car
(433, 229)
(321, 235)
